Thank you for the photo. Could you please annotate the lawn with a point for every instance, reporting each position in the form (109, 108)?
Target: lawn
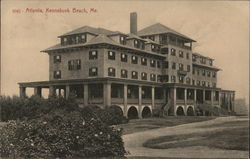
(137, 125)
(233, 136)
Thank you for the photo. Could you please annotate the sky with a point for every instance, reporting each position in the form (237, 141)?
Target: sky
(221, 29)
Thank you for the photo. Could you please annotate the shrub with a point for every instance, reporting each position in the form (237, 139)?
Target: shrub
(33, 107)
(61, 134)
(112, 115)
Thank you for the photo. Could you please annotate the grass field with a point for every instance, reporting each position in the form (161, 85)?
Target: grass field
(232, 136)
(137, 125)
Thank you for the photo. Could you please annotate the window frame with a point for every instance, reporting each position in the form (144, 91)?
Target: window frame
(111, 57)
(91, 56)
(91, 73)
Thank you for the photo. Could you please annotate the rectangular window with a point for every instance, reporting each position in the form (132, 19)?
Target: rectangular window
(93, 71)
(181, 79)
(181, 67)
(173, 52)
(134, 59)
(208, 73)
(83, 38)
(152, 38)
(210, 62)
(173, 65)
(188, 80)
(198, 83)
(188, 68)
(159, 78)
(111, 72)
(144, 61)
(193, 82)
(144, 76)
(57, 59)
(136, 43)
(194, 58)
(74, 64)
(198, 72)
(203, 83)
(173, 78)
(93, 54)
(124, 57)
(187, 55)
(181, 54)
(152, 63)
(203, 72)
(164, 78)
(152, 77)
(158, 64)
(134, 75)
(165, 64)
(57, 74)
(124, 73)
(123, 40)
(214, 74)
(111, 55)
(214, 84)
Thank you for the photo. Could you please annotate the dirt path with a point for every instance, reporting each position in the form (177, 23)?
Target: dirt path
(133, 142)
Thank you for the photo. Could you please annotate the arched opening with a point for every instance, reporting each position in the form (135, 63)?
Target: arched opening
(180, 111)
(132, 113)
(116, 110)
(190, 111)
(146, 112)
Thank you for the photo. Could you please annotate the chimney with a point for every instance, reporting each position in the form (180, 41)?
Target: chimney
(133, 23)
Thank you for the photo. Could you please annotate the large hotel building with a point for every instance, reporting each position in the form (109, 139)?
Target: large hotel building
(141, 72)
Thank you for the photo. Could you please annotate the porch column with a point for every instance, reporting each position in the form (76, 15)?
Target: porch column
(204, 94)
(107, 94)
(219, 100)
(85, 94)
(140, 100)
(38, 91)
(153, 96)
(212, 98)
(174, 100)
(67, 91)
(195, 96)
(125, 99)
(185, 96)
(52, 91)
(22, 92)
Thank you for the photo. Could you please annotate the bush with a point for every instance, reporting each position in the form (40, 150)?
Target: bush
(61, 134)
(33, 107)
(112, 115)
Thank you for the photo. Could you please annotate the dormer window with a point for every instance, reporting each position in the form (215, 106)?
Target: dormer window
(136, 43)
(122, 40)
(210, 62)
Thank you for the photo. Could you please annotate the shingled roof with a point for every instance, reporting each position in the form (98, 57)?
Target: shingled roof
(89, 29)
(159, 29)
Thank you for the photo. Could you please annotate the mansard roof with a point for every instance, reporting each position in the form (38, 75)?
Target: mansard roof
(159, 28)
